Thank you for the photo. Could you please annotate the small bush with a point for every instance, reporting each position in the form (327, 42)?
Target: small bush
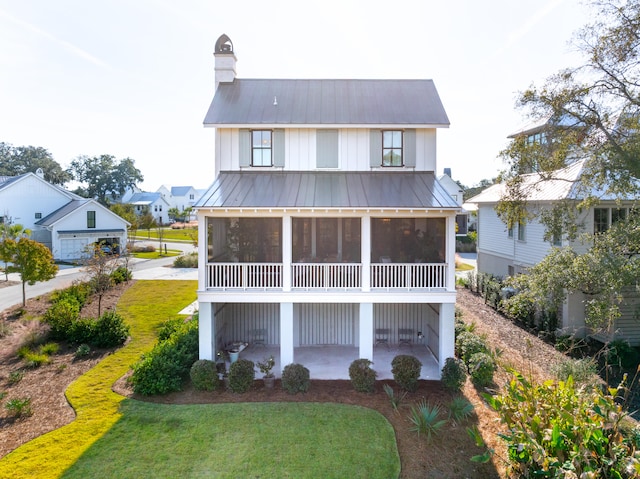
(583, 371)
(241, 375)
(121, 275)
(109, 330)
(61, 316)
(620, 354)
(143, 249)
(204, 375)
(406, 371)
(481, 369)
(168, 327)
(363, 378)
(295, 378)
(186, 261)
(469, 344)
(454, 374)
(425, 419)
(16, 376)
(83, 351)
(49, 349)
(78, 292)
(19, 407)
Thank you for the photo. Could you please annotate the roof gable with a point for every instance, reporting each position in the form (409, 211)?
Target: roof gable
(327, 102)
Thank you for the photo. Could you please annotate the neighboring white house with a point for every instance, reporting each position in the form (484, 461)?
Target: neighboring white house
(457, 193)
(325, 223)
(65, 222)
(180, 197)
(507, 252)
(154, 203)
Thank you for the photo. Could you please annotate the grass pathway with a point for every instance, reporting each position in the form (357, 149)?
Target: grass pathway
(97, 407)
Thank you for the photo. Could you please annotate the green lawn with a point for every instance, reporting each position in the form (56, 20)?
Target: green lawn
(157, 254)
(168, 234)
(117, 437)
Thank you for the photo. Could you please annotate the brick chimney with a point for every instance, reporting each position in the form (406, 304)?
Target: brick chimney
(225, 66)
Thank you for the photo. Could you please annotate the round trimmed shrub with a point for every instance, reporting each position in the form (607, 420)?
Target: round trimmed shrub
(204, 375)
(363, 378)
(454, 374)
(295, 378)
(241, 375)
(61, 316)
(481, 368)
(406, 371)
(121, 274)
(109, 330)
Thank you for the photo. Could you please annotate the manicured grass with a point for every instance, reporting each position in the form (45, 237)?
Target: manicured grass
(168, 234)
(463, 267)
(266, 440)
(157, 254)
(117, 437)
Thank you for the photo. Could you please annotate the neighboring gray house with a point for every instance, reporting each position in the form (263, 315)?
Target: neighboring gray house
(325, 224)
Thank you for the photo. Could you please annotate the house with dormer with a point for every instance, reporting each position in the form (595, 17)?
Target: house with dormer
(325, 231)
(61, 220)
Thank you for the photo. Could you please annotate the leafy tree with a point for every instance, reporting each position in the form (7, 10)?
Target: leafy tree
(471, 191)
(100, 265)
(17, 160)
(590, 113)
(33, 261)
(7, 248)
(104, 177)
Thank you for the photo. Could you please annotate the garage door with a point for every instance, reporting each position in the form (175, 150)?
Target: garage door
(72, 248)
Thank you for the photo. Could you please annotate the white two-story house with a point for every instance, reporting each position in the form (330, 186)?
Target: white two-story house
(325, 224)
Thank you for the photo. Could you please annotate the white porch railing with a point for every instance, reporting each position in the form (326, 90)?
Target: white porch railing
(408, 276)
(326, 276)
(244, 276)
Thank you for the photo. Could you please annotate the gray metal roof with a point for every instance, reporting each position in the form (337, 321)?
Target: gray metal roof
(326, 102)
(303, 189)
(61, 212)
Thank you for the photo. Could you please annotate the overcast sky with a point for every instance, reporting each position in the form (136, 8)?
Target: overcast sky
(135, 78)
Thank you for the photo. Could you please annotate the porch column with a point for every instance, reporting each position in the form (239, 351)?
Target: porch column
(287, 239)
(206, 331)
(366, 331)
(365, 254)
(446, 333)
(286, 334)
(451, 253)
(202, 251)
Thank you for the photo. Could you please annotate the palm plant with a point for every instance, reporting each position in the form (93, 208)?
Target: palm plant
(425, 419)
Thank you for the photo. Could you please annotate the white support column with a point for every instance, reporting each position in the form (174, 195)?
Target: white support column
(451, 253)
(446, 333)
(366, 331)
(286, 334)
(202, 251)
(206, 331)
(365, 252)
(286, 252)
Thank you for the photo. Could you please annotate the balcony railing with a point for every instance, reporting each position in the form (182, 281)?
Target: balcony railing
(326, 276)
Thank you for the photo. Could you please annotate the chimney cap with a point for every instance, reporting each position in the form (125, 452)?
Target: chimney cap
(224, 44)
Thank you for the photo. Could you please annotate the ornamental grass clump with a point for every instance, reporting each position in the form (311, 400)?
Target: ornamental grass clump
(406, 371)
(295, 378)
(363, 377)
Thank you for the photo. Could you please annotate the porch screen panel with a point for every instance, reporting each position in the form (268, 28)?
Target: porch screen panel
(327, 324)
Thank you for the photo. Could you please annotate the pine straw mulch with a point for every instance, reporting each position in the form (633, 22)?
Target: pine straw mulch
(446, 456)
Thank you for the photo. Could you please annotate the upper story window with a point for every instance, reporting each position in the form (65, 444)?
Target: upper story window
(261, 148)
(392, 148)
(603, 218)
(91, 219)
(191, 196)
(510, 232)
(38, 216)
(521, 231)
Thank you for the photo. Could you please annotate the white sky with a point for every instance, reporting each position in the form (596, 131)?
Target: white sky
(135, 78)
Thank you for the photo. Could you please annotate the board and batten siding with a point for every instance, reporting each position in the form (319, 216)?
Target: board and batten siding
(300, 151)
(326, 324)
(422, 318)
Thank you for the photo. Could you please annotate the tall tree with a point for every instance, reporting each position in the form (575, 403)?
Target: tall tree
(17, 160)
(8, 234)
(105, 178)
(33, 261)
(591, 113)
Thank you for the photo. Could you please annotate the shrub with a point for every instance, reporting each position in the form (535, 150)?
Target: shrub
(31, 358)
(481, 368)
(204, 375)
(49, 349)
(109, 330)
(425, 419)
(169, 327)
(454, 374)
(583, 371)
(406, 371)
(241, 375)
(19, 407)
(83, 351)
(619, 353)
(521, 308)
(143, 249)
(167, 365)
(469, 344)
(554, 428)
(295, 378)
(79, 292)
(363, 378)
(61, 315)
(186, 261)
(121, 275)
(81, 331)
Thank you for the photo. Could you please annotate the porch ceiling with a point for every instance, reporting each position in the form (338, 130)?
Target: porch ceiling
(326, 190)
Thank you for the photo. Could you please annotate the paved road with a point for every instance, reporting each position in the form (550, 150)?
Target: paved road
(142, 269)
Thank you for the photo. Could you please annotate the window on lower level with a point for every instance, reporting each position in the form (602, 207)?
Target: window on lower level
(91, 219)
(392, 148)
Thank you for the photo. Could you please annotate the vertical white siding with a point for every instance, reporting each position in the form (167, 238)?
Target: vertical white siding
(418, 317)
(321, 324)
(426, 150)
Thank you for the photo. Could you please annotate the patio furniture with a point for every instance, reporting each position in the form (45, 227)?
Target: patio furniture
(259, 336)
(382, 336)
(405, 337)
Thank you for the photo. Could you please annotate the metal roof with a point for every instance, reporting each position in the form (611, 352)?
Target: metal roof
(61, 212)
(304, 189)
(326, 102)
